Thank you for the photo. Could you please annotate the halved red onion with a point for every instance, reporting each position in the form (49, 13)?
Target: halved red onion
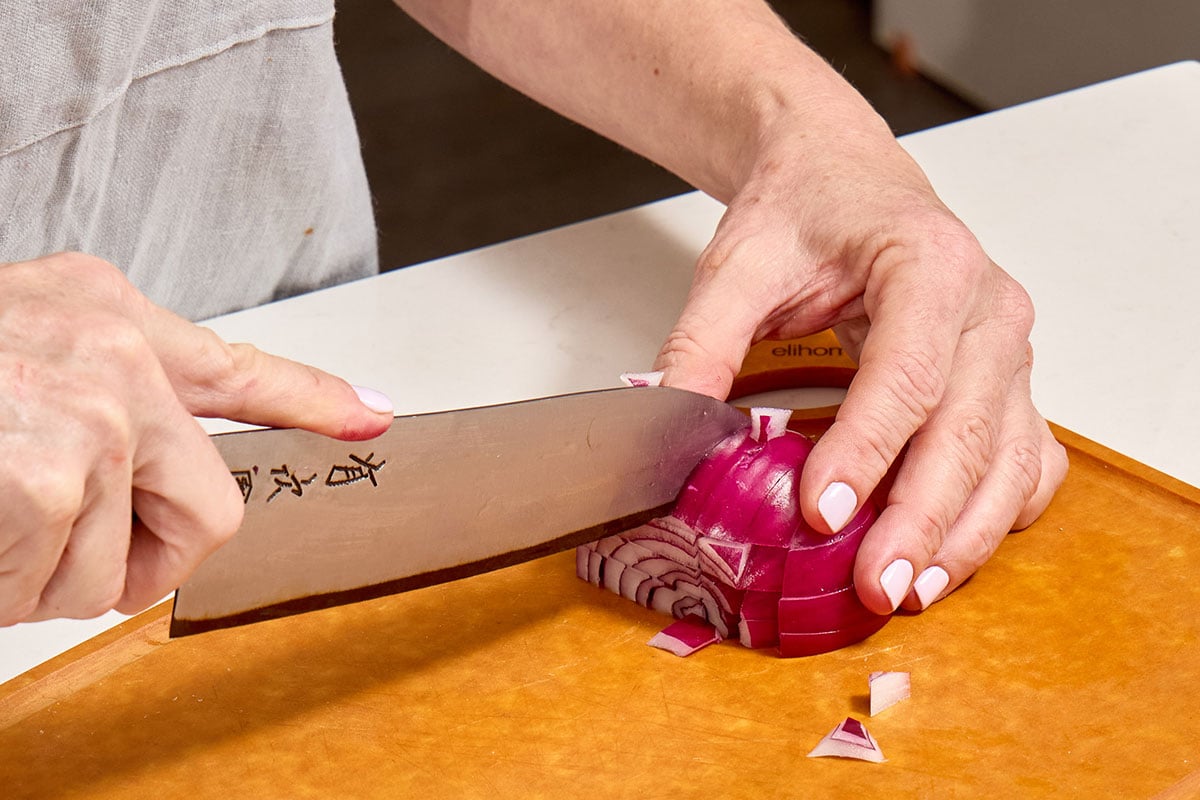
(887, 689)
(737, 552)
(849, 739)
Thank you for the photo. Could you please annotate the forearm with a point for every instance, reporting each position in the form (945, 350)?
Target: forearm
(703, 87)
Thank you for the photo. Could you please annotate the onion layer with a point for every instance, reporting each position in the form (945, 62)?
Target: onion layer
(887, 689)
(737, 553)
(849, 739)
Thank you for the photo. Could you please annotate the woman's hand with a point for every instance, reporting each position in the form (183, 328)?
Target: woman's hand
(844, 231)
(110, 492)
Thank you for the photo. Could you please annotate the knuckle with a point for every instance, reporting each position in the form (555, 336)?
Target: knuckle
(90, 275)
(1017, 307)
(681, 347)
(1025, 458)
(109, 425)
(114, 341)
(219, 374)
(1056, 463)
(48, 496)
(972, 439)
(917, 383)
(223, 367)
(681, 343)
(1046, 476)
(931, 524)
(972, 548)
(875, 452)
(934, 236)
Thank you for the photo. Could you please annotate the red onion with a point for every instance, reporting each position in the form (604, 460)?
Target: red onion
(736, 553)
(849, 739)
(685, 636)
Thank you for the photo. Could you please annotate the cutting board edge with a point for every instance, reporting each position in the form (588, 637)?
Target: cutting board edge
(1136, 470)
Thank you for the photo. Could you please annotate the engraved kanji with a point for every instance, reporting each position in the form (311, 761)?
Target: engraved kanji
(361, 470)
(286, 479)
(245, 482)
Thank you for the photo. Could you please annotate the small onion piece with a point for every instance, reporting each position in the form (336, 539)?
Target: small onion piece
(768, 423)
(737, 552)
(849, 739)
(686, 636)
(887, 689)
(642, 378)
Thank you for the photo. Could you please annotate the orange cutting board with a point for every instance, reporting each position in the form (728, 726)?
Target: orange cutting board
(1068, 666)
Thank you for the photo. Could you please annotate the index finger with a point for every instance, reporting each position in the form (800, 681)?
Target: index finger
(214, 378)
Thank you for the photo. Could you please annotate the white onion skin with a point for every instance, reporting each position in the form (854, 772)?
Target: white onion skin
(737, 551)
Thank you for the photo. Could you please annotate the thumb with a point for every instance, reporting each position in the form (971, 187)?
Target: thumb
(727, 305)
(240, 382)
(704, 350)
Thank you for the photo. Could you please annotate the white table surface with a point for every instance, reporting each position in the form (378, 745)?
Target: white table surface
(1091, 199)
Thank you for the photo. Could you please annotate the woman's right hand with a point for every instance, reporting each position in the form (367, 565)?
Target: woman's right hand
(110, 491)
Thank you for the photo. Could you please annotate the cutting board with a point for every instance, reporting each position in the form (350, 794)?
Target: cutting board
(1069, 666)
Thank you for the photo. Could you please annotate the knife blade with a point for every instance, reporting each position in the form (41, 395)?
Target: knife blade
(442, 496)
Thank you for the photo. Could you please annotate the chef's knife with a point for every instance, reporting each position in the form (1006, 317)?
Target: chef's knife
(442, 496)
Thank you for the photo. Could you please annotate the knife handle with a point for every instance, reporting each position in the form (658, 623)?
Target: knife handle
(817, 361)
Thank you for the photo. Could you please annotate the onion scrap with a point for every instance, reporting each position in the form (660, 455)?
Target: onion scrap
(850, 739)
(887, 689)
(685, 636)
(736, 553)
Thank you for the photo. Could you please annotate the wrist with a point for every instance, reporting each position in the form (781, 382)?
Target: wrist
(806, 120)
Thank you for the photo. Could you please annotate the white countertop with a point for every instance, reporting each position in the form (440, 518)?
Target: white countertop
(1090, 199)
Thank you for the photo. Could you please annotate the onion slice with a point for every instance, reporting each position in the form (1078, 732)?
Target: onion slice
(685, 636)
(768, 423)
(849, 739)
(887, 689)
(642, 378)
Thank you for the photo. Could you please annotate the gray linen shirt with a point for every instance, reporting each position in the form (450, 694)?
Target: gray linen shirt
(206, 147)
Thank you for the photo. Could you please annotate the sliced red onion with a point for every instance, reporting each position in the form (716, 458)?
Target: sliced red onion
(737, 552)
(850, 739)
(793, 644)
(756, 633)
(684, 637)
(823, 612)
(887, 689)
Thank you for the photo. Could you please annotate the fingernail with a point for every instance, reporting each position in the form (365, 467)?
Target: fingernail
(930, 584)
(895, 581)
(374, 400)
(836, 504)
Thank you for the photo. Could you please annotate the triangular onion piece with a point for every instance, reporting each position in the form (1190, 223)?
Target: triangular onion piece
(849, 739)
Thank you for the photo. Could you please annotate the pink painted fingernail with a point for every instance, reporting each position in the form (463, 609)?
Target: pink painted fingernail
(895, 581)
(836, 505)
(374, 400)
(930, 584)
